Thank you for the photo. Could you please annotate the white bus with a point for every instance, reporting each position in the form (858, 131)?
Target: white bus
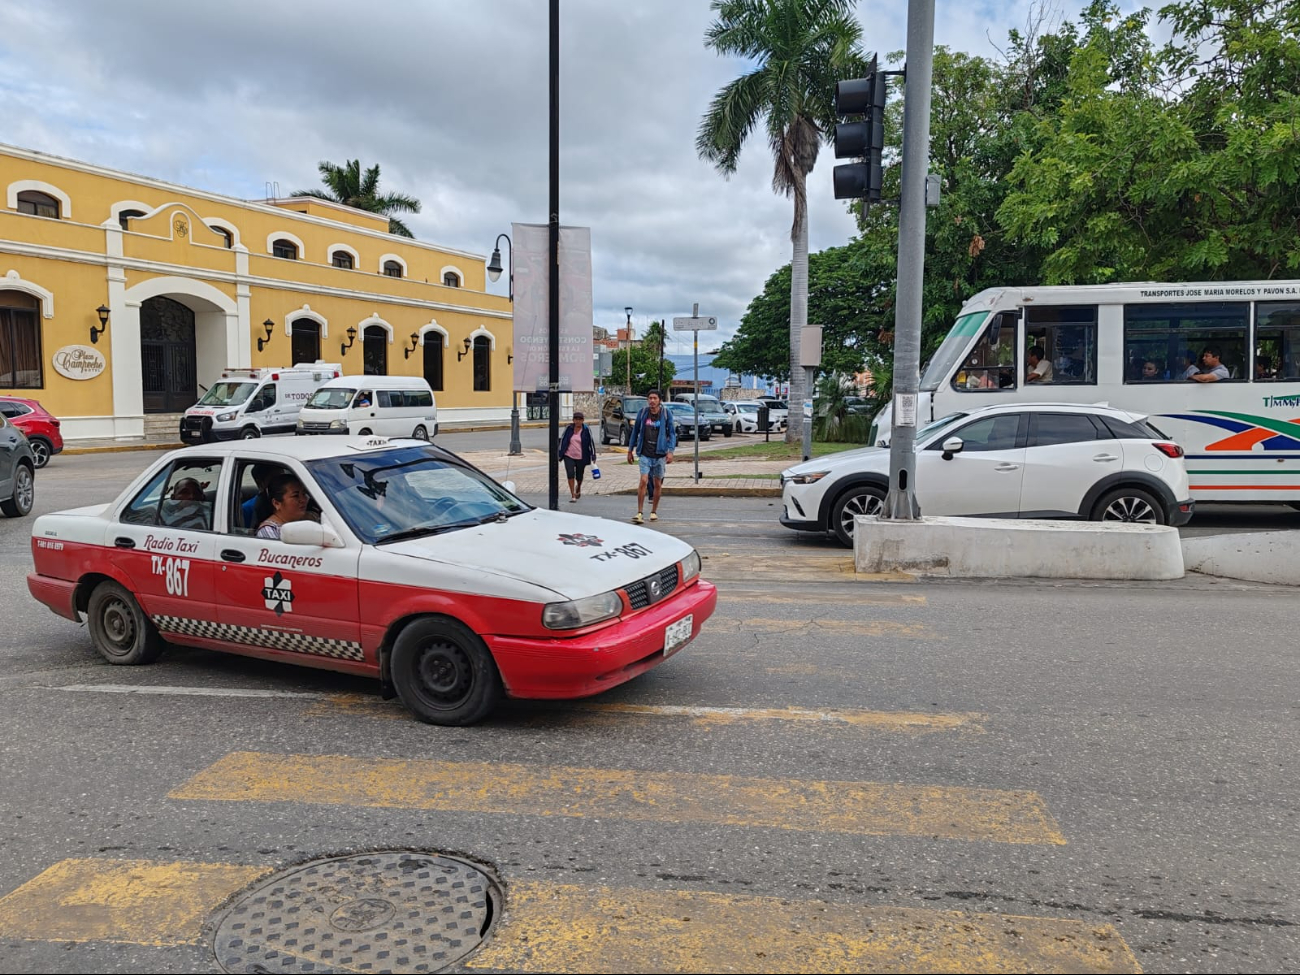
(1133, 346)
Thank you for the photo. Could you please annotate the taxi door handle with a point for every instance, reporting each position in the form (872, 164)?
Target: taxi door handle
(232, 555)
(123, 542)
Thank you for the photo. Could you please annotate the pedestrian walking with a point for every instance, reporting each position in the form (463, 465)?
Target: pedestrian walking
(578, 450)
(656, 435)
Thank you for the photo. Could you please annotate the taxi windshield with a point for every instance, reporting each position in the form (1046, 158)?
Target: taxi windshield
(227, 394)
(330, 398)
(410, 492)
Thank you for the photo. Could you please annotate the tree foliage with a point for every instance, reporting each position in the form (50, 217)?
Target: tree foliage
(348, 185)
(646, 356)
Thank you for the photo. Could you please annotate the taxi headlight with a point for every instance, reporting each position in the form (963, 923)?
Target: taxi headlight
(690, 566)
(581, 612)
(812, 478)
(225, 417)
(338, 424)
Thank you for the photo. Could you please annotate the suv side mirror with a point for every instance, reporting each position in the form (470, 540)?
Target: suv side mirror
(951, 447)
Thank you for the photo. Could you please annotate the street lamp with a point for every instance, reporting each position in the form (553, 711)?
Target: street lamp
(628, 309)
(494, 273)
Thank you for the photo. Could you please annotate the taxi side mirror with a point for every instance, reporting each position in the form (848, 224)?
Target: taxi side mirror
(951, 447)
(310, 533)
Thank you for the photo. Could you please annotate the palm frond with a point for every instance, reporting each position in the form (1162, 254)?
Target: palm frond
(399, 229)
(732, 115)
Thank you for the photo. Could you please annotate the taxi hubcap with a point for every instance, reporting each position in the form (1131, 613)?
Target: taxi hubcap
(119, 627)
(445, 674)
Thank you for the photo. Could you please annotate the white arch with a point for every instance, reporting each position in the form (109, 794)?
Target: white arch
(188, 287)
(13, 282)
(306, 312)
(356, 258)
(492, 339)
(455, 270)
(227, 226)
(115, 211)
(275, 235)
(374, 320)
(394, 257)
(433, 326)
(23, 185)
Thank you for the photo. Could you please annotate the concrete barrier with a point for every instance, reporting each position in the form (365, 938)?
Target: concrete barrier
(996, 548)
(1272, 557)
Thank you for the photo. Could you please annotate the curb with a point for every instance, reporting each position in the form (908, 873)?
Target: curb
(695, 491)
(119, 448)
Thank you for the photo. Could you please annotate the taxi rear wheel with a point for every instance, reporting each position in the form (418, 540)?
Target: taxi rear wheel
(118, 627)
(444, 673)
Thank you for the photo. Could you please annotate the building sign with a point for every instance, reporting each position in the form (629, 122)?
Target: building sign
(78, 362)
(530, 246)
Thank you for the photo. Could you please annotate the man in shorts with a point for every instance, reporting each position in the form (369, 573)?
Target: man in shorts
(656, 434)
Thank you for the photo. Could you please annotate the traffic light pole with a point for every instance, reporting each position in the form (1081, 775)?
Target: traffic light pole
(901, 501)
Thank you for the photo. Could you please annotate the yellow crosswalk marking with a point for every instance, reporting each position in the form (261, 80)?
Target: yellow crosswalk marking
(132, 901)
(916, 631)
(727, 596)
(551, 928)
(866, 808)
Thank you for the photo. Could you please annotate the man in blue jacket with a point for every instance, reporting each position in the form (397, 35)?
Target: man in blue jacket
(656, 434)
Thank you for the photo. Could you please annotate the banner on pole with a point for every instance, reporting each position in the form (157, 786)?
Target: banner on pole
(529, 248)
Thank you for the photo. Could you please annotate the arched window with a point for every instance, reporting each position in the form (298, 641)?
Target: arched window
(392, 269)
(342, 259)
(38, 204)
(20, 341)
(284, 248)
(124, 217)
(305, 341)
(433, 353)
(482, 364)
(451, 279)
(374, 349)
(227, 238)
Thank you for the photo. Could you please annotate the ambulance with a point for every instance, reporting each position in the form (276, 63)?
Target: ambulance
(245, 404)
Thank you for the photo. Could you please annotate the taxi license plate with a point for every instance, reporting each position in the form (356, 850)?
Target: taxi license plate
(678, 634)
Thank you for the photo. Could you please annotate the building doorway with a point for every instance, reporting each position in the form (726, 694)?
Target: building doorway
(167, 356)
(306, 341)
(374, 351)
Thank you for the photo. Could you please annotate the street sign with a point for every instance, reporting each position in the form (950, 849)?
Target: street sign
(695, 324)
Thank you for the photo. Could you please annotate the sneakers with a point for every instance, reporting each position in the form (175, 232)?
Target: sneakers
(573, 499)
(638, 520)
(654, 516)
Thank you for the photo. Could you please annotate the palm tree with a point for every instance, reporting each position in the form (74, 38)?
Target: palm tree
(349, 186)
(799, 49)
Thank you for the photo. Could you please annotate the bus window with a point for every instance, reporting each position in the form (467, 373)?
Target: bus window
(1068, 337)
(991, 364)
(1277, 341)
(1164, 342)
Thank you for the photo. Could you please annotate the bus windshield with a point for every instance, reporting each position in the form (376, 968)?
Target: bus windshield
(952, 349)
(227, 394)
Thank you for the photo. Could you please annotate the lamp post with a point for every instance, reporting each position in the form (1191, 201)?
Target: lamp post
(554, 255)
(628, 309)
(494, 273)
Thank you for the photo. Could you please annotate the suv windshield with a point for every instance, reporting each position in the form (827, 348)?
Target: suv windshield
(333, 398)
(227, 394)
(411, 492)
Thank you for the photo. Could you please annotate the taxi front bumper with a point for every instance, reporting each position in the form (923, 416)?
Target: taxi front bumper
(583, 665)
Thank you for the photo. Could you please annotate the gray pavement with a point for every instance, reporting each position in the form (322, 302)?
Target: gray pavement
(935, 776)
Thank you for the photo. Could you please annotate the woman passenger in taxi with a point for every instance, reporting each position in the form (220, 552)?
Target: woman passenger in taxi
(289, 499)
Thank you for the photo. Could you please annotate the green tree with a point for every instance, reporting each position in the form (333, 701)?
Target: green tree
(645, 367)
(798, 49)
(348, 185)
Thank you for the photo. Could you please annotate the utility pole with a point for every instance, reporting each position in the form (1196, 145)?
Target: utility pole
(554, 256)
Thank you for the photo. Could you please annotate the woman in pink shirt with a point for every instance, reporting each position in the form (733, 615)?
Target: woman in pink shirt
(578, 450)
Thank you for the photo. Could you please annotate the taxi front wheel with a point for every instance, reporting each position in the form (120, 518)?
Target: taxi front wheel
(118, 627)
(444, 673)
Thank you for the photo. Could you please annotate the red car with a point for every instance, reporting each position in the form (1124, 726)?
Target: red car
(41, 429)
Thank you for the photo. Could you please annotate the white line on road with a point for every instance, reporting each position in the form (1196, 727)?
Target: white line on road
(189, 691)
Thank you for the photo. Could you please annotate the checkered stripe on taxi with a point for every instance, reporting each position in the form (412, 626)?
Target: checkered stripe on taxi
(254, 636)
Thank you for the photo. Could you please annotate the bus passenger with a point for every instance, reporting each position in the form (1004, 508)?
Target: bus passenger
(1211, 369)
(1040, 370)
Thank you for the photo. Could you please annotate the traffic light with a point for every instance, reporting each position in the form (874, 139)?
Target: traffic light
(863, 140)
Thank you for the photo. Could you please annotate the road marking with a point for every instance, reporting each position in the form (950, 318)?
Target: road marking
(189, 691)
(916, 631)
(891, 721)
(142, 902)
(726, 595)
(555, 928)
(862, 808)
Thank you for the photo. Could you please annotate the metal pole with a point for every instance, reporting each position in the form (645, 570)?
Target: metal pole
(516, 446)
(696, 333)
(663, 339)
(901, 501)
(554, 295)
(807, 415)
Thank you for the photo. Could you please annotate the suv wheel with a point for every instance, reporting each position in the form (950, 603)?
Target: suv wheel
(863, 499)
(604, 435)
(41, 451)
(622, 435)
(1129, 504)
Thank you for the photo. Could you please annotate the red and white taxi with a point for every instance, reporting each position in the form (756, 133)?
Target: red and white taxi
(420, 570)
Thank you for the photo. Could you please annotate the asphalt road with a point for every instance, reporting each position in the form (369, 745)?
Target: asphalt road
(836, 776)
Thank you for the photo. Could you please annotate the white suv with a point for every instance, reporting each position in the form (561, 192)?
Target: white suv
(1023, 460)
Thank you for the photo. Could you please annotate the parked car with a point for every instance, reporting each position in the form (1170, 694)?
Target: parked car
(777, 409)
(711, 412)
(1022, 460)
(388, 406)
(41, 429)
(17, 471)
(684, 416)
(745, 416)
(617, 416)
(421, 572)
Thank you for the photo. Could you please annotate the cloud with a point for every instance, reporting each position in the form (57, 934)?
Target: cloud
(451, 100)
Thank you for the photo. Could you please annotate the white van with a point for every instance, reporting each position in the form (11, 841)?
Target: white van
(250, 403)
(387, 406)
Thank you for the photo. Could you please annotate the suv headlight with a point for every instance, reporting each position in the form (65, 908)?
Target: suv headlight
(690, 566)
(581, 612)
(812, 478)
(225, 417)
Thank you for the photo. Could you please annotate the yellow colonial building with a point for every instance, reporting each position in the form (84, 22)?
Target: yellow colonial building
(123, 297)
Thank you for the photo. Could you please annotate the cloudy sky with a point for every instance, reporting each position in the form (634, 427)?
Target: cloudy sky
(451, 99)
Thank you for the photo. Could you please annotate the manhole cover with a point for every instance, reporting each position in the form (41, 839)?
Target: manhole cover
(373, 912)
